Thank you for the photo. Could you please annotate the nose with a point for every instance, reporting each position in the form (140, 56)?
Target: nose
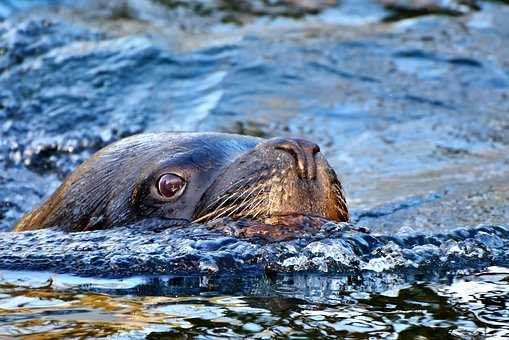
(304, 153)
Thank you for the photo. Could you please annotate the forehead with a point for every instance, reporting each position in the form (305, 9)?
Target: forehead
(209, 150)
(183, 142)
(194, 149)
(212, 142)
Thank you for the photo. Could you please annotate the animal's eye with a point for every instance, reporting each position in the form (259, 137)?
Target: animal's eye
(170, 185)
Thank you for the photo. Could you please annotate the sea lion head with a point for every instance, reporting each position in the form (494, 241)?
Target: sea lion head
(196, 177)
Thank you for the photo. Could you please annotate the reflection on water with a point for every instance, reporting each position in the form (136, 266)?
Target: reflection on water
(470, 306)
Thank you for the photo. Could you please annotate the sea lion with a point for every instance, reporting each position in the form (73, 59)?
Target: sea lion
(196, 177)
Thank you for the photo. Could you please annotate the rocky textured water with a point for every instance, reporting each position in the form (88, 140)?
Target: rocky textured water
(151, 249)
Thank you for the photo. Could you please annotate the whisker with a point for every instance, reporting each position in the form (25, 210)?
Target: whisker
(248, 207)
(239, 206)
(242, 181)
(241, 213)
(206, 217)
(255, 211)
(226, 194)
(249, 195)
(228, 200)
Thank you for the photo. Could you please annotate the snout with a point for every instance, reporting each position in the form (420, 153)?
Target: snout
(279, 177)
(304, 155)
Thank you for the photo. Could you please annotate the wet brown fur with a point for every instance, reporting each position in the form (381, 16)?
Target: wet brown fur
(228, 176)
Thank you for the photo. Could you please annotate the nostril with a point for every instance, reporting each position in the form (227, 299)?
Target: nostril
(293, 149)
(288, 146)
(316, 149)
(309, 147)
(303, 151)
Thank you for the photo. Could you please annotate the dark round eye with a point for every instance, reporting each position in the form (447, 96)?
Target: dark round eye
(170, 185)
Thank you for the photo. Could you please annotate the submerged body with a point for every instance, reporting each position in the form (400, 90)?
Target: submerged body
(195, 177)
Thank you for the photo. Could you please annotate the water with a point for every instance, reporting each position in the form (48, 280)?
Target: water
(409, 108)
(156, 282)
(300, 305)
